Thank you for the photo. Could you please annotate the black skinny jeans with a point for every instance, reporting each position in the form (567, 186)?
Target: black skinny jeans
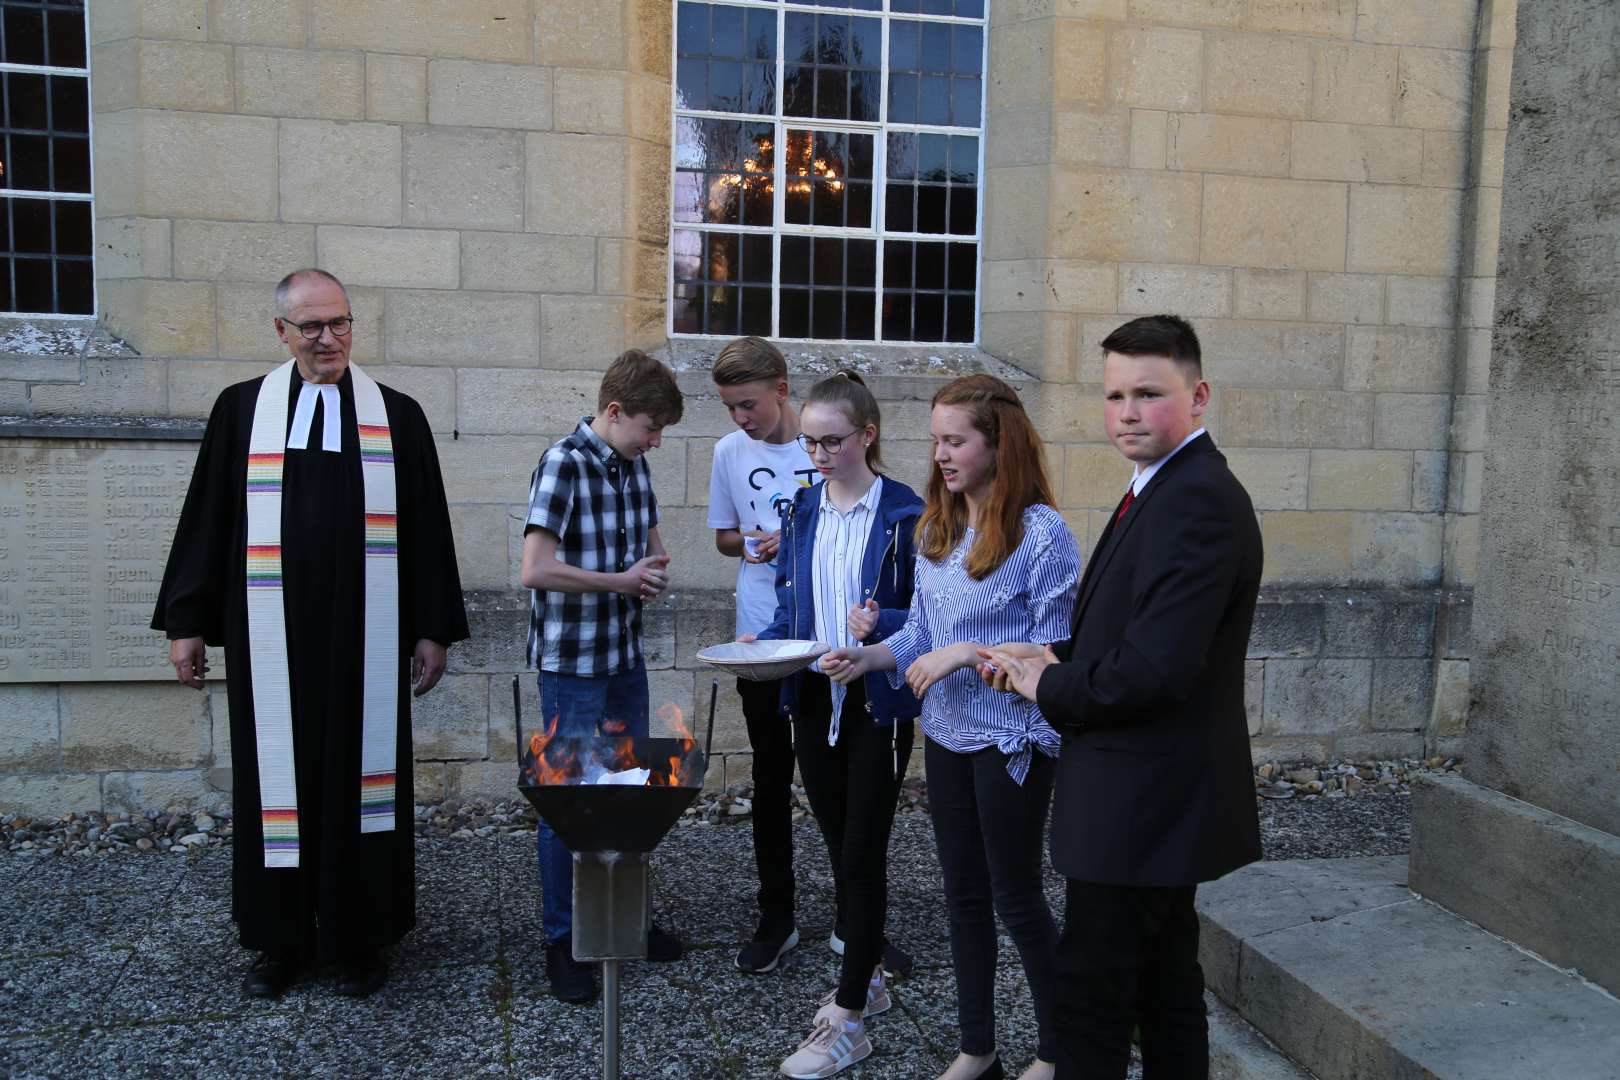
(852, 788)
(771, 738)
(991, 835)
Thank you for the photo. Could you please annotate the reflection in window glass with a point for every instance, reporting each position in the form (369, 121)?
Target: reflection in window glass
(928, 291)
(935, 73)
(725, 58)
(828, 179)
(46, 239)
(832, 66)
(808, 204)
(724, 171)
(722, 282)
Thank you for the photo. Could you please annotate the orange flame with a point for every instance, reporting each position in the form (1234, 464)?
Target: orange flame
(559, 761)
(675, 723)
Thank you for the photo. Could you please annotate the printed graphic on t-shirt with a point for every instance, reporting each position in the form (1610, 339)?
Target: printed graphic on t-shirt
(751, 487)
(774, 496)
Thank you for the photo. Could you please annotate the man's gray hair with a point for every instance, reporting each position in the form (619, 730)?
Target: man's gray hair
(284, 287)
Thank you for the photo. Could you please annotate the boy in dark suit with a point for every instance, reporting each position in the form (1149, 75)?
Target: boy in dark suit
(1154, 789)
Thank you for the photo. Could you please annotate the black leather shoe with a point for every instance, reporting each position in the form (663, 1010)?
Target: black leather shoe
(362, 974)
(662, 946)
(270, 975)
(571, 980)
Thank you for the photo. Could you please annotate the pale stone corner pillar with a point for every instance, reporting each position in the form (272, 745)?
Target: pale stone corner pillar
(639, 269)
(1024, 319)
(1475, 309)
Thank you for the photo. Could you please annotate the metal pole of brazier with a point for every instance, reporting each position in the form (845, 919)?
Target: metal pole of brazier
(611, 830)
(612, 913)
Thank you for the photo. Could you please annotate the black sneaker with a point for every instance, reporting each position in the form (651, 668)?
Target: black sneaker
(571, 980)
(771, 942)
(897, 963)
(662, 946)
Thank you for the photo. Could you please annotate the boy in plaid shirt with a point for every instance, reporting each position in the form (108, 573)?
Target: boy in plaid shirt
(592, 557)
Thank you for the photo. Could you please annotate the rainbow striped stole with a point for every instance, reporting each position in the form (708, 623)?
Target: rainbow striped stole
(267, 616)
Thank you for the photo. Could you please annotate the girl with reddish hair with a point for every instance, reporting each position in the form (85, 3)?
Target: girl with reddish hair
(995, 563)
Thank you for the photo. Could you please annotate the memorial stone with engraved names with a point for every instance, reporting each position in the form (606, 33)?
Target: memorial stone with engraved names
(85, 527)
(1530, 846)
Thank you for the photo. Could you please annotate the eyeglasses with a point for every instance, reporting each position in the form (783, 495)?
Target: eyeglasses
(339, 326)
(831, 443)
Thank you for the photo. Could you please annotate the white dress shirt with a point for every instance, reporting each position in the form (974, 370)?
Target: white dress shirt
(1144, 473)
(835, 575)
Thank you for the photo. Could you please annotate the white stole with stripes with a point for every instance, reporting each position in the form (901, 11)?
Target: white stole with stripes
(267, 616)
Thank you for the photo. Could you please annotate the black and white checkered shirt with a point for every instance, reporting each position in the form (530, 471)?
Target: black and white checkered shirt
(601, 508)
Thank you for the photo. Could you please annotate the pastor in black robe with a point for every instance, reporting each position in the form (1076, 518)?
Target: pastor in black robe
(351, 890)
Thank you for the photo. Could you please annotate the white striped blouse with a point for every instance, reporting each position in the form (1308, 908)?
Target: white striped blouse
(1029, 597)
(835, 575)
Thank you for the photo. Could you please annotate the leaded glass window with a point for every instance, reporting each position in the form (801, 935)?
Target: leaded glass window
(46, 234)
(827, 165)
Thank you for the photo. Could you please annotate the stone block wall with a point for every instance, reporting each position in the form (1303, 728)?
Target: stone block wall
(1316, 184)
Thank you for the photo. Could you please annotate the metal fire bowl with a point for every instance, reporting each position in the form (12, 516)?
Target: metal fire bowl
(614, 817)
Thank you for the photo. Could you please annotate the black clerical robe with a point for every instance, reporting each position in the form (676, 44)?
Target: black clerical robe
(351, 890)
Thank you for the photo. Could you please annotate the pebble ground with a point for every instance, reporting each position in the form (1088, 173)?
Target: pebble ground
(125, 963)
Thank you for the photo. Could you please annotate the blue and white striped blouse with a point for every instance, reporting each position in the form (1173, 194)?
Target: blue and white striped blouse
(1029, 597)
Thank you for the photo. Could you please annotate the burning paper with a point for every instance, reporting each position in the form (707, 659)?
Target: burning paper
(627, 777)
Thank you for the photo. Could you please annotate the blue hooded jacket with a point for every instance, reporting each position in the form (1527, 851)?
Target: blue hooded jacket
(886, 576)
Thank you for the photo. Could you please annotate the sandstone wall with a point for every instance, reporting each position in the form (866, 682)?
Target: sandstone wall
(1316, 183)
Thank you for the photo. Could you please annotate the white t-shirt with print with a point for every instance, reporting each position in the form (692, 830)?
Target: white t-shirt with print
(751, 486)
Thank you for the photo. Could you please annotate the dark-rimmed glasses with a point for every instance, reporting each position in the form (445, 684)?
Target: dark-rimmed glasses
(339, 326)
(831, 443)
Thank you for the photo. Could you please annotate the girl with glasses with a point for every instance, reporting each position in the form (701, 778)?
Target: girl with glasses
(847, 544)
(997, 565)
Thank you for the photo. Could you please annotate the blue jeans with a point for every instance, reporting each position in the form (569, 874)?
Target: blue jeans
(580, 703)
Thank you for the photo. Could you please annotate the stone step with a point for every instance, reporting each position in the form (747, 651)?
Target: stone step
(1354, 977)
(1238, 1052)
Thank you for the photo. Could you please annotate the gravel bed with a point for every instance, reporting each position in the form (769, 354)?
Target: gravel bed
(123, 966)
(1300, 784)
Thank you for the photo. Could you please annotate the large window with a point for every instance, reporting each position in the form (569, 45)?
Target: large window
(826, 172)
(45, 211)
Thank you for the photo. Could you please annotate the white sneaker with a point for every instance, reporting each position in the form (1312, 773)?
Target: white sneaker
(877, 998)
(830, 1049)
(835, 943)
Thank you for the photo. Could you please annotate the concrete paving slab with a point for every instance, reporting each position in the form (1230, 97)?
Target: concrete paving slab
(458, 904)
(58, 990)
(93, 902)
(36, 1057)
(1408, 990)
(178, 972)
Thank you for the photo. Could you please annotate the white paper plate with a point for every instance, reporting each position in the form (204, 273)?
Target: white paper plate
(762, 660)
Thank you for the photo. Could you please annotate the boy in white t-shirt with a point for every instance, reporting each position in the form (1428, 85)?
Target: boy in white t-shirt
(756, 472)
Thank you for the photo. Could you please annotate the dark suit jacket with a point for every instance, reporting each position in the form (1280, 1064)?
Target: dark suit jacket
(1155, 785)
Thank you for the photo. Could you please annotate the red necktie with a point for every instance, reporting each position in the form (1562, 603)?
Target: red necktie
(1125, 503)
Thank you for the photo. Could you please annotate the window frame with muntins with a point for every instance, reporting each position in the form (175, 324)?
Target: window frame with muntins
(50, 159)
(820, 274)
